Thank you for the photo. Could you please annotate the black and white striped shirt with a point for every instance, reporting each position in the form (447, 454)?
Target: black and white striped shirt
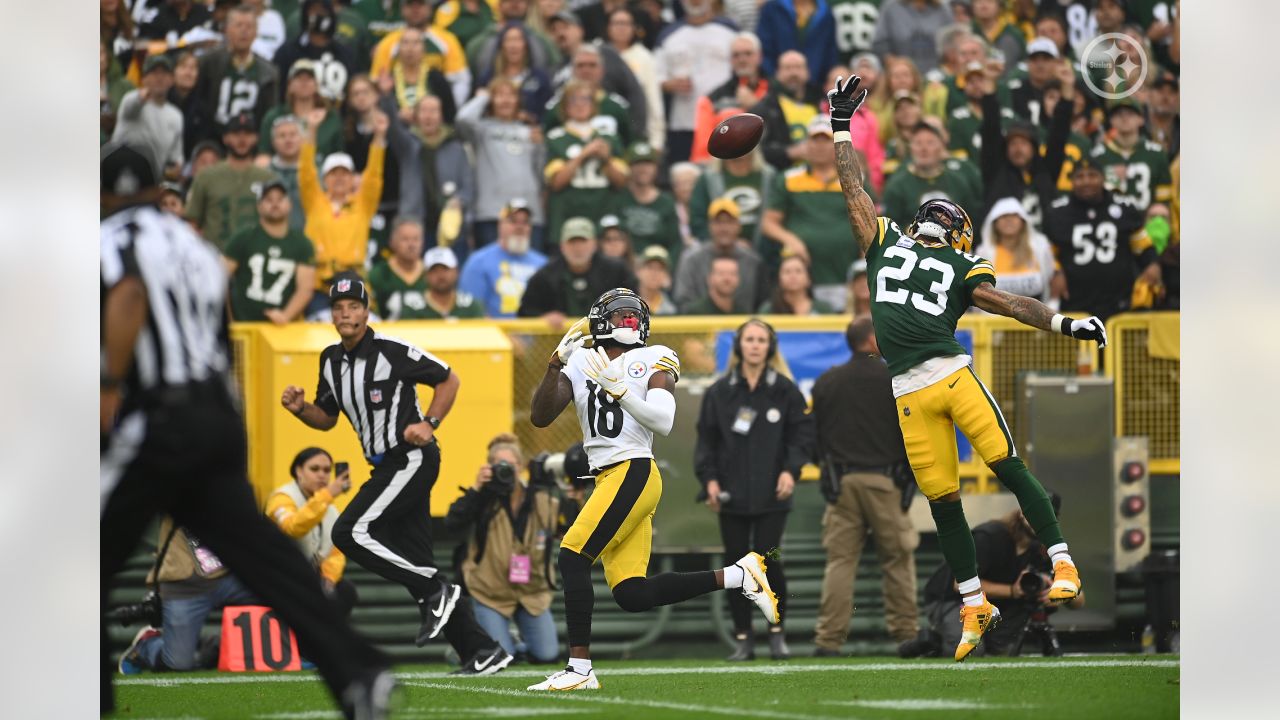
(375, 386)
(184, 338)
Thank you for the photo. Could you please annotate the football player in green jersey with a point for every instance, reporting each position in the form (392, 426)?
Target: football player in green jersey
(922, 282)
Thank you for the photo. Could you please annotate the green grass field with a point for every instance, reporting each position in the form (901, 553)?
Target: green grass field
(801, 689)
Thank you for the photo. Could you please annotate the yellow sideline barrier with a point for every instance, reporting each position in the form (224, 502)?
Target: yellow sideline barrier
(1144, 359)
(502, 361)
(268, 358)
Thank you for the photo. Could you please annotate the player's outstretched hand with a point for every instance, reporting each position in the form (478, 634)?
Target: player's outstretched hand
(1090, 328)
(845, 98)
(606, 373)
(572, 341)
(293, 399)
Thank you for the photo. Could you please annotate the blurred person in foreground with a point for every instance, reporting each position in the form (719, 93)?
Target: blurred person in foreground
(923, 286)
(304, 510)
(507, 565)
(754, 436)
(868, 486)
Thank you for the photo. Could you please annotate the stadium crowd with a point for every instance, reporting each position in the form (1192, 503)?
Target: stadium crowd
(501, 158)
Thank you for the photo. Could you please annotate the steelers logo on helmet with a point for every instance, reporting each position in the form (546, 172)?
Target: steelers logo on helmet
(619, 316)
(943, 221)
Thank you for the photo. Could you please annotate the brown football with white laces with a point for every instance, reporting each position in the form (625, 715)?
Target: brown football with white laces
(736, 136)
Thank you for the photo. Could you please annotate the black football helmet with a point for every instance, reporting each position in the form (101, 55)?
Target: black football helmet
(945, 222)
(602, 329)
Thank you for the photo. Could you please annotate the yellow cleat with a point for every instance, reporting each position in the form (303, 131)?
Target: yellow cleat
(1066, 582)
(975, 622)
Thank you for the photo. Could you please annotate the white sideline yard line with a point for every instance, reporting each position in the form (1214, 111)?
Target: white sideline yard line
(482, 712)
(605, 671)
(586, 697)
(924, 704)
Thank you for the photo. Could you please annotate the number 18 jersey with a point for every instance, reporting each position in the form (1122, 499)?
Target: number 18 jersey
(918, 294)
(609, 434)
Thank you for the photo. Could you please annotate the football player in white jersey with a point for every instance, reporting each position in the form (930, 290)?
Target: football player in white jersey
(622, 390)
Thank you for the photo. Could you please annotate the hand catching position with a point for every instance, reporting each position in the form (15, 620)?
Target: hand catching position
(572, 341)
(845, 99)
(605, 373)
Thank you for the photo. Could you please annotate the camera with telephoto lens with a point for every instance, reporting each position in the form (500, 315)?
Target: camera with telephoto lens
(503, 480)
(548, 470)
(147, 612)
(1032, 584)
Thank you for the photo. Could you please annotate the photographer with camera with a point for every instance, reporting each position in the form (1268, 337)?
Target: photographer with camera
(507, 567)
(1016, 575)
(754, 435)
(189, 582)
(303, 509)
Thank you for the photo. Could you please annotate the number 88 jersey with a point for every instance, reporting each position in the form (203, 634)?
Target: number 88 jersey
(609, 434)
(918, 293)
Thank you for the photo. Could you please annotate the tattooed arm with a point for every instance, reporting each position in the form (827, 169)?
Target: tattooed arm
(862, 211)
(844, 100)
(1025, 310)
(1030, 311)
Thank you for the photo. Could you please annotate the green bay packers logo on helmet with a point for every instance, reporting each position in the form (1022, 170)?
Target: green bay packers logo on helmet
(621, 316)
(942, 221)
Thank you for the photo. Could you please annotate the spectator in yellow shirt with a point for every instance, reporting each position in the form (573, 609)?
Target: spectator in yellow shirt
(338, 215)
(303, 509)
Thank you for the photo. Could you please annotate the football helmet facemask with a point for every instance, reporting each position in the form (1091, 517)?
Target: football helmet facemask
(632, 327)
(942, 221)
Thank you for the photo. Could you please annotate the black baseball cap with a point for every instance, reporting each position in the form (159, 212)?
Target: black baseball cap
(242, 122)
(1018, 126)
(348, 285)
(126, 170)
(1086, 162)
(275, 183)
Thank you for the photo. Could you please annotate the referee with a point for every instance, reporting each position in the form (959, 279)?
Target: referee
(386, 528)
(172, 437)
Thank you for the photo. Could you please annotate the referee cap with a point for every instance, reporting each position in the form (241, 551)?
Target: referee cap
(348, 285)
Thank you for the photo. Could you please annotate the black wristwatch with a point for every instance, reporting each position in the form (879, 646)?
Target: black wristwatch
(433, 421)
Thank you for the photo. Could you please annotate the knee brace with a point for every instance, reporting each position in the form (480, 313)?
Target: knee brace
(633, 595)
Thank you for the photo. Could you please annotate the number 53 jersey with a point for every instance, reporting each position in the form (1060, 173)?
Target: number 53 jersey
(609, 434)
(918, 294)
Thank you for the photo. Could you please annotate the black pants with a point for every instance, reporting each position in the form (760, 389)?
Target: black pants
(188, 461)
(386, 529)
(742, 534)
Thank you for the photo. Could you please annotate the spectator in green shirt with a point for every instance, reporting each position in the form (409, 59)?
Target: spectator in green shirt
(647, 213)
(806, 208)
(930, 174)
(272, 266)
(222, 200)
(444, 300)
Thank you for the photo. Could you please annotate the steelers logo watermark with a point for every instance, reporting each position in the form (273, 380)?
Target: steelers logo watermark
(1113, 65)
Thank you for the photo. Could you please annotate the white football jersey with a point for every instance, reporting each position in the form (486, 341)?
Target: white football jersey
(609, 433)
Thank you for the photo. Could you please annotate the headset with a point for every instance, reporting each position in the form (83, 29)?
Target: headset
(773, 338)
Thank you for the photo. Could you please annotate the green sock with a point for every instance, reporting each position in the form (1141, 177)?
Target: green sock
(956, 538)
(1037, 508)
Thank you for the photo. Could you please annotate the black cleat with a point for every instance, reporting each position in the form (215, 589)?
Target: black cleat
(485, 663)
(746, 649)
(778, 649)
(436, 611)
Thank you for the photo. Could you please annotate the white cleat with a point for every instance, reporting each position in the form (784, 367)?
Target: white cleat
(755, 586)
(569, 679)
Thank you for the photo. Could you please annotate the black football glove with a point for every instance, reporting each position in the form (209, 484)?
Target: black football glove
(1090, 328)
(845, 99)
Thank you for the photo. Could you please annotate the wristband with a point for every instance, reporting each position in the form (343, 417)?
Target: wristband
(1059, 323)
(842, 136)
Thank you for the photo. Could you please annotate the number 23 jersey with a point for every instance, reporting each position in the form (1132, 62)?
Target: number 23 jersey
(918, 294)
(609, 434)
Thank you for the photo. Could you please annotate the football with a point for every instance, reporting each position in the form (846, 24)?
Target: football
(736, 136)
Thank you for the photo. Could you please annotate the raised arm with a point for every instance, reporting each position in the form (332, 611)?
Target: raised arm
(845, 98)
(555, 392)
(1032, 312)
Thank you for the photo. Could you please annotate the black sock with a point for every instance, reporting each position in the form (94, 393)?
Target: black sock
(640, 594)
(579, 599)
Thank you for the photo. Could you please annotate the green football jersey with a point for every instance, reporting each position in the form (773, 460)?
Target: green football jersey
(653, 224)
(918, 294)
(589, 193)
(1138, 177)
(266, 270)
(958, 181)
(398, 299)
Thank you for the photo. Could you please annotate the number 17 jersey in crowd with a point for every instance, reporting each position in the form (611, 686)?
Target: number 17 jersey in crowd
(609, 434)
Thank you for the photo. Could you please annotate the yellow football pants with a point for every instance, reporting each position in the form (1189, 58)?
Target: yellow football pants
(616, 522)
(929, 417)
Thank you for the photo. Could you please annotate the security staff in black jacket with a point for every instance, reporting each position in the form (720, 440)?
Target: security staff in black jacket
(754, 435)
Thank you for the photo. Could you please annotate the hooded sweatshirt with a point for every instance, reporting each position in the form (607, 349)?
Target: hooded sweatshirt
(1030, 281)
